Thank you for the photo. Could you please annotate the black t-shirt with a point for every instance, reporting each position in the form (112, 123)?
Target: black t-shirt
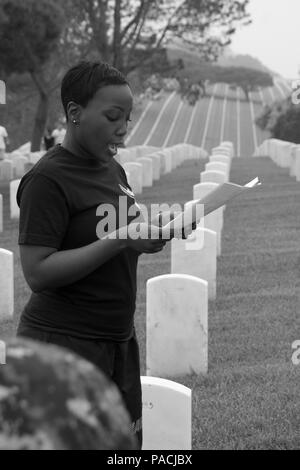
(58, 201)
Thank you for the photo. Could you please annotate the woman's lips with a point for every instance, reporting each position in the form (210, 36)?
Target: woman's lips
(113, 149)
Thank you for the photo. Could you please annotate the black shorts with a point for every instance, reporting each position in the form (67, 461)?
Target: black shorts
(119, 361)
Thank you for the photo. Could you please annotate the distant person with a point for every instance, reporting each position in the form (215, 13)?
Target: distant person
(4, 141)
(49, 140)
(59, 134)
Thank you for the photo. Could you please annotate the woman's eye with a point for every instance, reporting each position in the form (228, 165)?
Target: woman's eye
(112, 118)
(116, 118)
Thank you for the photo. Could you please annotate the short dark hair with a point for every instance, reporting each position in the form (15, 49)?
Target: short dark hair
(82, 81)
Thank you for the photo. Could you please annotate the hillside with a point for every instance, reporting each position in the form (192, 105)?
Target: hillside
(229, 59)
(243, 60)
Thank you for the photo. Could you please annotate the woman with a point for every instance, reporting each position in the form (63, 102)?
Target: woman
(83, 283)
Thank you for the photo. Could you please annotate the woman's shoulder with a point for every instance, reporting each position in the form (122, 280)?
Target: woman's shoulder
(50, 164)
(47, 171)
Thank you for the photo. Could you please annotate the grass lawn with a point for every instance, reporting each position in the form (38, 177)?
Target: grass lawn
(250, 397)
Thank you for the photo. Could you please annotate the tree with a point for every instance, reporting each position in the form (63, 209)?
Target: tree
(245, 78)
(44, 38)
(282, 120)
(28, 37)
(287, 125)
(127, 32)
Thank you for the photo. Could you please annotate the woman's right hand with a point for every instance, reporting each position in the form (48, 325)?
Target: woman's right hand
(144, 237)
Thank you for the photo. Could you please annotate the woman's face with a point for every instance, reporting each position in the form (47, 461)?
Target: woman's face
(103, 122)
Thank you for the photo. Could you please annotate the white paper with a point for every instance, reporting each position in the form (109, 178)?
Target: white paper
(201, 207)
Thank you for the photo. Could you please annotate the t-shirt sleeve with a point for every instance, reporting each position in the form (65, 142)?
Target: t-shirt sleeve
(44, 213)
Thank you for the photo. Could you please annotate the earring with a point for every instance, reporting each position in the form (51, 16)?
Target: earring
(74, 121)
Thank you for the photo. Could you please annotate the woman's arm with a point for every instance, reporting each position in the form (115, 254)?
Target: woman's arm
(48, 268)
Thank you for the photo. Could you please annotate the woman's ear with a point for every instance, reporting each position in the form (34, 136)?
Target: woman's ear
(73, 111)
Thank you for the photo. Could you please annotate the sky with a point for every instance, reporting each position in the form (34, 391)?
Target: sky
(273, 37)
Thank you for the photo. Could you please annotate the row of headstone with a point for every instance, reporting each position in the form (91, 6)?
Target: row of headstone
(11, 167)
(284, 154)
(19, 162)
(141, 172)
(177, 320)
(16, 167)
(14, 208)
(177, 303)
(146, 164)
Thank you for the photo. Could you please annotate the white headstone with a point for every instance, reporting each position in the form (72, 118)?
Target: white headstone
(20, 163)
(214, 220)
(167, 415)
(218, 166)
(221, 159)
(174, 156)
(167, 164)
(294, 151)
(1, 214)
(14, 208)
(264, 149)
(195, 152)
(176, 325)
(6, 284)
(200, 261)
(136, 176)
(297, 166)
(25, 149)
(2, 353)
(221, 151)
(283, 154)
(36, 156)
(144, 150)
(162, 162)
(6, 170)
(186, 151)
(147, 171)
(15, 154)
(273, 146)
(125, 156)
(180, 153)
(213, 177)
(133, 151)
(228, 145)
(156, 166)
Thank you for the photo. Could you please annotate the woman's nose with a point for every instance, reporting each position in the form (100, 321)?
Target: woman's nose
(122, 131)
